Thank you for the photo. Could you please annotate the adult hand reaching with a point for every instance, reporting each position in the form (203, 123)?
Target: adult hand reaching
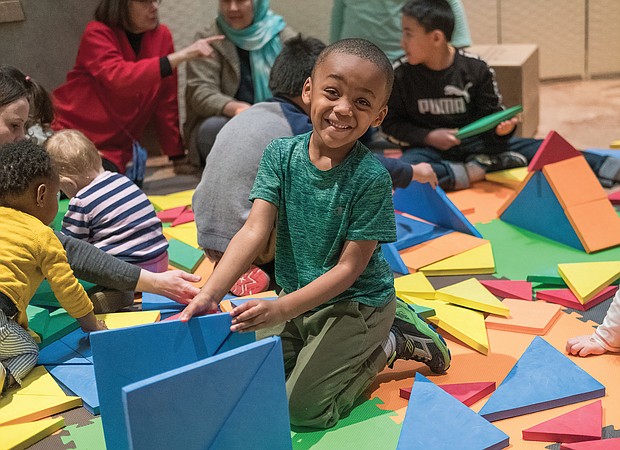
(199, 49)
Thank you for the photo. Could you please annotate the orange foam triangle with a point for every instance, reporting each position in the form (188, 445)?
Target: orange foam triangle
(581, 424)
(553, 149)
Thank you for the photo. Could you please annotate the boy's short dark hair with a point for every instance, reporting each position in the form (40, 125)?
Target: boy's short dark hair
(365, 50)
(432, 15)
(21, 163)
(294, 65)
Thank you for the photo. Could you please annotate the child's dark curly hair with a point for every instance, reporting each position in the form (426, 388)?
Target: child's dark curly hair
(21, 163)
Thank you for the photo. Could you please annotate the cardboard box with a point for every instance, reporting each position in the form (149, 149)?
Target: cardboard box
(516, 72)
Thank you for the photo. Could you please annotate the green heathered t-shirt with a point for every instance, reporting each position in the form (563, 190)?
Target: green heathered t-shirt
(319, 210)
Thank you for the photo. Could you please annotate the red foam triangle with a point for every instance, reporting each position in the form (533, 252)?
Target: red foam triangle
(168, 215)
(467, 393)
(565, 297)
(185, 217)
(605, 444)
(614, 198)
(521, 290)
(553, 149)
(581, 424)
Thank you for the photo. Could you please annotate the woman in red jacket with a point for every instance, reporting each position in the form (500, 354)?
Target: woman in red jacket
(124, 76)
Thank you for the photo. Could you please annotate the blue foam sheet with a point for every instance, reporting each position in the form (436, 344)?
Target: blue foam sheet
(434, 206)
(79, 380)
(542, 378)
(202, 406)
(538, 210)
(435, 420)
(152, 302)
(391, 255)
(128, 355)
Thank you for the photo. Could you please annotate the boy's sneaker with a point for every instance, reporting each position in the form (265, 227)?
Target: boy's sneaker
(252, 282)
(417, 340)
(501, 161)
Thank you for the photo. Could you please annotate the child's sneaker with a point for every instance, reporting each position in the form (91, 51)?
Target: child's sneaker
(417, 340)
(500, 161)
(252, 282)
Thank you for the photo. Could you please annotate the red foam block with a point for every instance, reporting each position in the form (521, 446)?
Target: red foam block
(565, 297)
(519, 289)
(581, 424)
(467, 393)
(169, 215)
(605, 444)
(185, 217)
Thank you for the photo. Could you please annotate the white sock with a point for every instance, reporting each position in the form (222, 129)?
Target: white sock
(389, 345)
(475, 172)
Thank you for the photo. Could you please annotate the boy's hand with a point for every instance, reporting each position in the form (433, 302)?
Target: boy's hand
(506, 127)
(255, 314)
(584, 346)
(199, 306)
(442, 138)
(424, 173)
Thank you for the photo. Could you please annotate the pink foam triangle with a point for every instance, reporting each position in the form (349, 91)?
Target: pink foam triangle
(168, 215)
(467, 393)
(565, 297)
(519, 289)
(605, 444)
(614, 198)
(581, 424)
(553, 149)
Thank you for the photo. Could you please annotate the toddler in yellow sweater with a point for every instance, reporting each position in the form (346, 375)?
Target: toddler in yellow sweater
(30, 252)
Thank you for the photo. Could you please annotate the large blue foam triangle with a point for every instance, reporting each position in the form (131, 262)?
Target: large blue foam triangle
(126, 355)
(543, 378)
(435, 420)
(255, 397)
(434, 206)
(537, 209)
(391, 255)
(79, 380)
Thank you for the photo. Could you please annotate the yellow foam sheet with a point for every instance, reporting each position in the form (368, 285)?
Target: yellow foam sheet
(526, 317)
(472, 294)
(129, 319)
(186, 233)
(23, 435)
(414, 284)
(478, 260)
(163, 202)
(587, 279)
(509, 177)
(439, 248)
(38, 397)
(464, 324)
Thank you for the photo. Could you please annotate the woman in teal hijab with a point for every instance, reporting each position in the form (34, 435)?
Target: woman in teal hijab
(238, 75)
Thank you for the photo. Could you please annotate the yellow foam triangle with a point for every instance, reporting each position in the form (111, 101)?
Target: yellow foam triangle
(163, 202)
(185, 233)
(414, 284)
(472, 294)
(23, 435)
(464, 324)
(587, 279)
(478, 260)
(509, 177)
(18, 408)
(129, 319)
(40, 382)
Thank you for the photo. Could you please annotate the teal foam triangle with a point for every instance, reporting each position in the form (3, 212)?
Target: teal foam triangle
(537, 209)
(436, 420)
(543, 378)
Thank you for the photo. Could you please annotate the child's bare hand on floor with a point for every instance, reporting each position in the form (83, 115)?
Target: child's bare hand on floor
(256, 314)
(584, 346)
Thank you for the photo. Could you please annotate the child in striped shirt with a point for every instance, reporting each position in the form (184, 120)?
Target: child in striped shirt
(106, 209)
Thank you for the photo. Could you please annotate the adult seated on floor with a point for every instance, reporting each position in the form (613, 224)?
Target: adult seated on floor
(24, 102)
(125, 76)
(237, 75)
